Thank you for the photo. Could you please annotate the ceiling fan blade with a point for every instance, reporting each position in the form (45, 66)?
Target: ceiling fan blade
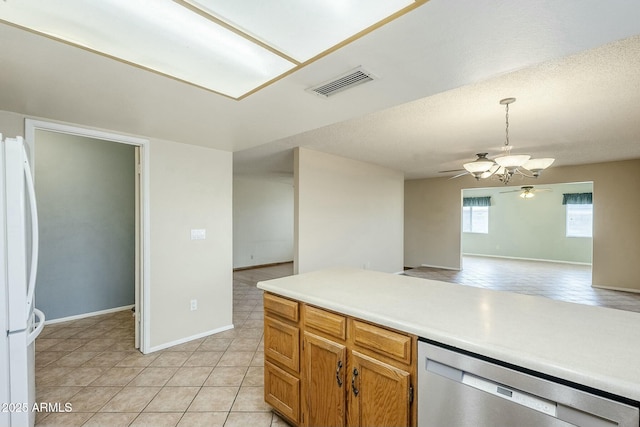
(459, 175)
(451, 170)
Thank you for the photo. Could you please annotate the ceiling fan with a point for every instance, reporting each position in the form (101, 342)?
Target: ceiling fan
(527, 191)
(462, 172)
(506, 164)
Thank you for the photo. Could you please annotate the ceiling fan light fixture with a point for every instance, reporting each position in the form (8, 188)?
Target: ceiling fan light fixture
(507, 165)
(512, 161)
(496, 168)
(527, 194)
(538, 165)
(479, 166)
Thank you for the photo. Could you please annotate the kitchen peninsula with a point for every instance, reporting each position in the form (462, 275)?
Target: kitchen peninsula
(593, 347)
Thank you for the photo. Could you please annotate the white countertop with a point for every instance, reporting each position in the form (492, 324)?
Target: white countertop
(594, 346)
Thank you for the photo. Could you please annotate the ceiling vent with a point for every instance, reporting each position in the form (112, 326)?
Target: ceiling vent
(341, 83)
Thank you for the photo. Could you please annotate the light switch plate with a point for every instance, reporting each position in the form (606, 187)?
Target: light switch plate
(198, 234)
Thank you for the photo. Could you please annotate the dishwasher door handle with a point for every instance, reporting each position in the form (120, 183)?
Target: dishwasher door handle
(516, 396)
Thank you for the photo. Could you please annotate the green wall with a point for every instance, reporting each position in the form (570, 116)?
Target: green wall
(529, 228)
(85, 189)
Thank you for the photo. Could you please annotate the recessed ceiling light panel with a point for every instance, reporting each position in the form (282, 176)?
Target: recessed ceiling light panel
(302, 29)
(161, 36)
(227, 46)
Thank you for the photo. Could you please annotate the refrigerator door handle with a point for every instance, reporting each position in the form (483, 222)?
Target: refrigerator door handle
(31, 192)
(34, 334)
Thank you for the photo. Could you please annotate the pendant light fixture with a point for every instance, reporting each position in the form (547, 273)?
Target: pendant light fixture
(510, 162)
(507, 164)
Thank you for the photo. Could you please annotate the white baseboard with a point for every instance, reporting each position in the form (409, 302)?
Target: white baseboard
(190, 338)
(85, 315)
(528, 259)
(439, 266)
(612, 288)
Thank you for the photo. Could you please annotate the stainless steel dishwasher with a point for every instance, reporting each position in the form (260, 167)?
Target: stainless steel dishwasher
(460, 390)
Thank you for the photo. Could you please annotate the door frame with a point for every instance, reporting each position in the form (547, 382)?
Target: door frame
(143, 261)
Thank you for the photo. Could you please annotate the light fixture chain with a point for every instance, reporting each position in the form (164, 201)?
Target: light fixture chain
(506, 129)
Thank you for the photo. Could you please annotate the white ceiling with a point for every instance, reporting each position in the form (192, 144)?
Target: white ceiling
(225, 46)
(442, 68)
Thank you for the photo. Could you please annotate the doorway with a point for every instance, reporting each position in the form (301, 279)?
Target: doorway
(136, 150)
(538, 227)
(529, 231)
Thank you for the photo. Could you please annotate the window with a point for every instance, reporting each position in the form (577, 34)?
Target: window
(475, 219)
(579, 220)
(579, 214)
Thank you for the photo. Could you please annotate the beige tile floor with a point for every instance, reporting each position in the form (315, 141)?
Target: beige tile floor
(214, 381)
(218, 380)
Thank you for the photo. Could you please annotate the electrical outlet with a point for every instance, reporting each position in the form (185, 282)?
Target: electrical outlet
(194, 304)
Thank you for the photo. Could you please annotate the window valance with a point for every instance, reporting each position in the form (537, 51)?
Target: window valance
(476, 201)
(577, 199)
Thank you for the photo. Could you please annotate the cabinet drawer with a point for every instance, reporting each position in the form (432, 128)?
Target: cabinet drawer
(381, 340)
(282, 391)
(282, 343)
(282, 307)
(330, 323)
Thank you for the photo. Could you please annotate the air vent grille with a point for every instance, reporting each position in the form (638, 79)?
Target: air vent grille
(351, 79)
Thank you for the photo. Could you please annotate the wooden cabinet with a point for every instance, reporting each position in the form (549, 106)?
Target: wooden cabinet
(325, 364)
(282, 356)
(282, 391)
(327, 369)
(380, 393)
(282, 343)
(382, 368)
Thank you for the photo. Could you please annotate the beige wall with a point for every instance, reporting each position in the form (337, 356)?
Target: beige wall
(11, 124)
(347, 213)
(432, 219)
(190, 187)
(262, 220)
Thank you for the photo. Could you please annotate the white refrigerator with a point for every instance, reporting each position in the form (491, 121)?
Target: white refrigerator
(19, 319)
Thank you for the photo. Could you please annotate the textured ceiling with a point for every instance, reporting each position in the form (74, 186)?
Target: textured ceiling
(579, 109)
(572, 66)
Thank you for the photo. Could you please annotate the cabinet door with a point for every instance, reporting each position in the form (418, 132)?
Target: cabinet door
(324, 382)
(379, 393)
(282, 391)
(281, 343)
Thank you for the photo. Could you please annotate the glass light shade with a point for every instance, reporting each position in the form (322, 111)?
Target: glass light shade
(527, 194)
(535, 165)
(512, 160)
(478, 166)
(494, 169)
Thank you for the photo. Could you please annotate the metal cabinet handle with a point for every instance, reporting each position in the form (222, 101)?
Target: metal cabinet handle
(338, 373)
(353, 382)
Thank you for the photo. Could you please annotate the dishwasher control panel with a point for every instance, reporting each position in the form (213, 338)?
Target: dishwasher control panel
(525, 399)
